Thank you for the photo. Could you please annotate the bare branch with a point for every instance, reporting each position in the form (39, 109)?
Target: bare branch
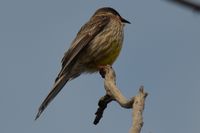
(102, 106)
(188, 3)
(114, 94)
(138, 107)
(112, 90)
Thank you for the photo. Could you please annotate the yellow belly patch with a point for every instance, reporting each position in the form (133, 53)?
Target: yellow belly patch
(111, 56)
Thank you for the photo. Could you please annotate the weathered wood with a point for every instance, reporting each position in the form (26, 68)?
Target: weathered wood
(113, 94)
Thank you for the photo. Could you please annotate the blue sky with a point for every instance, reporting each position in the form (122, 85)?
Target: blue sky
(161, 51)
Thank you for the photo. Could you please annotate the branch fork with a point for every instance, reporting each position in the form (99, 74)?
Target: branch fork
(113, 94)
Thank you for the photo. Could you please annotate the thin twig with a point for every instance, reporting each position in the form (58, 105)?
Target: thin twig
(189, 4)
(102, 106)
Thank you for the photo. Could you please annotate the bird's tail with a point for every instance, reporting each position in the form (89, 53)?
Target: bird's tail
(58, 85)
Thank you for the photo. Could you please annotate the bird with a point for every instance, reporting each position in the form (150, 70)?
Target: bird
(98, 43)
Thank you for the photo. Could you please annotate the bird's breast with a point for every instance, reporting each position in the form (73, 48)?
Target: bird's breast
(111, 54)
(104, 48)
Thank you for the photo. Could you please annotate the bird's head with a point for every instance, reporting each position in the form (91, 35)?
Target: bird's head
(108, 11)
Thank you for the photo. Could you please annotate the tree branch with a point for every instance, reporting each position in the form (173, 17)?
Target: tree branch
(138, 107)
(114, 94)
(188, 3)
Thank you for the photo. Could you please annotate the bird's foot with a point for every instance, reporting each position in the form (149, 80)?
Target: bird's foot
(102, 70)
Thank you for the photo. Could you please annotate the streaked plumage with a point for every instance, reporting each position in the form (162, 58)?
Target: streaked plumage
(97, 43)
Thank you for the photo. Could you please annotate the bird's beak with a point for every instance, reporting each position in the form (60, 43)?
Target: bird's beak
(125, 21)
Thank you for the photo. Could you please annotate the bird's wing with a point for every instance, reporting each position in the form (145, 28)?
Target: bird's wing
(83, 38)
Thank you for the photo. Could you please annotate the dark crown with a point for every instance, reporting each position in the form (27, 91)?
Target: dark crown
(108, 9)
